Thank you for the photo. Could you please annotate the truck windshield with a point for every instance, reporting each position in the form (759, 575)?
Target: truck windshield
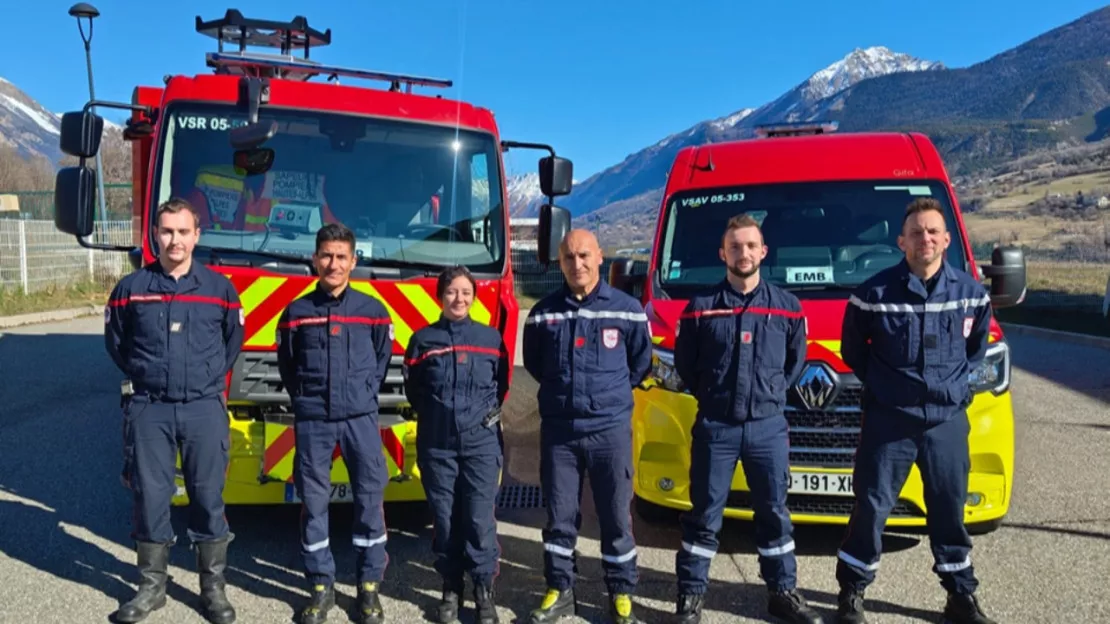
(820, 236)
(413, 193)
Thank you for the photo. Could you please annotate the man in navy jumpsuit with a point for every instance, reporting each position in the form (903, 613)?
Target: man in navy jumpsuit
(912, 333)
(457, 377)
(175, 328)
(739, 347)
(334, 345)
(587, 345)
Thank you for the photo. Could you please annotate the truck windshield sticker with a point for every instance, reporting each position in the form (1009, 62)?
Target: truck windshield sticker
(717, 198)
(809, 275)
(208, 122)
(912, 190)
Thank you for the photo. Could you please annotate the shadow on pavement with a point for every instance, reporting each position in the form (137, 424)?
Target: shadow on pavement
(1080, 368)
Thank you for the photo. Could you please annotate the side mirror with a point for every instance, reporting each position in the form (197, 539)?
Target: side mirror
(556, 176)
(74, 204)
(1007, 275)
(621, 277)
(80, 134)
(554, 225)
(252, 135)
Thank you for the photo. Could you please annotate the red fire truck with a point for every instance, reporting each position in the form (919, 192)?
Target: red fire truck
(270, 155)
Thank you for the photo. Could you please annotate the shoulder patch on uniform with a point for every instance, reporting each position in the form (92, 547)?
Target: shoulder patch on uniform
(242, 317)
(968, 323)
(107, 314)
(391, 331)
(610, 336)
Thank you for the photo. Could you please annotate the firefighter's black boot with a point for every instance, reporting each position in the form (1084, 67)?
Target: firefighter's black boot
(152, 561)
(483, 603)
(689, 607)
(451, 602)
(791, 606)
(319, 603)
(964, 609)
(211, 564)
(620, 609)
(556, 604)
(850, 607)
(369, 605)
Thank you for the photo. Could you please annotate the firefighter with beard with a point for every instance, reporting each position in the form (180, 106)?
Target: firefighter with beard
(739, 346)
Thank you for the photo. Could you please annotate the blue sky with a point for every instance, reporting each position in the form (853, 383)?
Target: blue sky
(597, 79)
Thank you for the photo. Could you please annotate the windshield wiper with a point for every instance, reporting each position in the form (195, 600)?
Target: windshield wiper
(217, 252)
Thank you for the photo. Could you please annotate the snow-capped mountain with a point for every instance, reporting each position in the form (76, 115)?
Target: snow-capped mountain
(643, 173)
(29, 126)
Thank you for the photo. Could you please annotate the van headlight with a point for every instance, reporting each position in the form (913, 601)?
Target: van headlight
(663, 370)
(993, 372)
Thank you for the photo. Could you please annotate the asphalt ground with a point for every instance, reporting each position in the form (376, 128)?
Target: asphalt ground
(65, 555)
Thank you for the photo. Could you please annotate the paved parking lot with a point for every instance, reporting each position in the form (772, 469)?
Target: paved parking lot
(65, 554)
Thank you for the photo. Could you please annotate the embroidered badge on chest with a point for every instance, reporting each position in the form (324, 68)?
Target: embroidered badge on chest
(462, 358)
(335, 330)
(746, 337)
(175, 326)
(968, 322)
(610, 337)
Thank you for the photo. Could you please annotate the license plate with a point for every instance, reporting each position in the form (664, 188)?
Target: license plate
(821, 483)
(340, 493)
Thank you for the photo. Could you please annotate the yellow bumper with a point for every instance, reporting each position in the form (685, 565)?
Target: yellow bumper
(247, 484)
(662, 420)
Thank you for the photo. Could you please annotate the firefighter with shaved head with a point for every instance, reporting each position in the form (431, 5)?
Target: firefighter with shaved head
(588, 345)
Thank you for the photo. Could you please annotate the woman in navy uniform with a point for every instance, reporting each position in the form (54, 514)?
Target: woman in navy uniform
(456, 377)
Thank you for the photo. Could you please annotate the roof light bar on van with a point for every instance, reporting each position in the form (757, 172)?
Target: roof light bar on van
(296, 69)
(796, 129)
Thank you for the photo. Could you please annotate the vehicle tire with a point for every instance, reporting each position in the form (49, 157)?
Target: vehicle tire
(983, 528)
(656, 514)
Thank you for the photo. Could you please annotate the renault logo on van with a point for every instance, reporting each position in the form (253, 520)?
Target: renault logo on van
(816, 387)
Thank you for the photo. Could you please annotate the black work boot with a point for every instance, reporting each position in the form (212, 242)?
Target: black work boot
(211, 563)
(483, 603)
(319, 603)
(964, 609)
(850, 607)
(451, 602)
(620, 609)
(152, 559)
(688, 608)
(369, 604)
(791, 606)
(556, 604)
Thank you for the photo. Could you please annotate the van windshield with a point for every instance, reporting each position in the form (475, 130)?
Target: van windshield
(413, 193)
(820, 236)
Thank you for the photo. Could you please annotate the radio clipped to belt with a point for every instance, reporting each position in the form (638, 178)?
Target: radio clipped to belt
(492, 419)
(126, 391)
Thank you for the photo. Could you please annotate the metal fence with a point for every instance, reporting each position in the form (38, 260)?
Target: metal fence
(35, 256)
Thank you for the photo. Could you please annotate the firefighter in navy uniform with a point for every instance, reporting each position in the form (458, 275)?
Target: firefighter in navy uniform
(587, 345)
(175, 328)
(912, 333)
(334, 345)
(739, 347)
(456, 377)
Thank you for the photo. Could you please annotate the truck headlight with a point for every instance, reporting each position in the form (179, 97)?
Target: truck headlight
(993, 372)
(663, 370)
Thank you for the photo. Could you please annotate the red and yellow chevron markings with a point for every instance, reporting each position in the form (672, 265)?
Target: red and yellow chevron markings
(277, 459)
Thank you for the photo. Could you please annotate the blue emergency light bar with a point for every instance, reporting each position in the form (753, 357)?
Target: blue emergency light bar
(796, 128)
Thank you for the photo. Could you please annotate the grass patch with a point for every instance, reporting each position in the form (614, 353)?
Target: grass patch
(1070, 278)
(15, 301)
(1033, 191)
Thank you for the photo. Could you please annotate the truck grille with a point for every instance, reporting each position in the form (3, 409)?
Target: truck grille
(255, 379)
(819, 505)
(827, 437)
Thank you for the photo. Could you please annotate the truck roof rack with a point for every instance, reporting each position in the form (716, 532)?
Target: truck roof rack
(796, 128)
(286, 37)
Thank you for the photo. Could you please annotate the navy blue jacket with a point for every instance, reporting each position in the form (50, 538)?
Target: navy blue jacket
(456, 373)
(913, 350)
(174, 339)
(738, 354)
(587, 356)
(333, 353)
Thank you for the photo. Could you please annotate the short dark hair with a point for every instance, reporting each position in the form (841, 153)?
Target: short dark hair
(449, 274)
(175, 205)
(335, 232)
(741, 221)
(923, 204)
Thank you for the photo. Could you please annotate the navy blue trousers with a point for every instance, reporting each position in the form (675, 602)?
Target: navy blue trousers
(461, 486)
(566, 459)
(889, 446)
(763, 448)
(153, 433)
(360, 444)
